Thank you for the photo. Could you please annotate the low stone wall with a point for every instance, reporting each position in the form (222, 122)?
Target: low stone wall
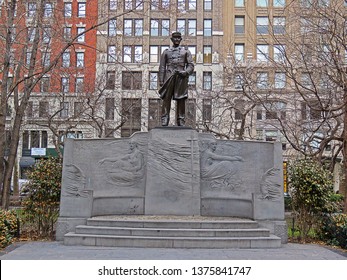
(171, 171)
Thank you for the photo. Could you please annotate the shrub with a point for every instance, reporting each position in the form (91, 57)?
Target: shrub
(8, 227)
(311, 192)
(334, 230)
(41, 205)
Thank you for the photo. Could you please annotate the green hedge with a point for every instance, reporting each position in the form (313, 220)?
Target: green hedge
(334, 230)
(8, 227)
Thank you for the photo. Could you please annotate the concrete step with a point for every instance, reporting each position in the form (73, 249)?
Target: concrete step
(171, 242)
(182, 232)
(173, 223)
(172, 232)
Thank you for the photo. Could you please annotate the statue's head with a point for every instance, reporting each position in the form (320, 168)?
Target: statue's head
(176, 38)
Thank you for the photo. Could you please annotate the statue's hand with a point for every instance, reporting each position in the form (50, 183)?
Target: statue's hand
(183, 73)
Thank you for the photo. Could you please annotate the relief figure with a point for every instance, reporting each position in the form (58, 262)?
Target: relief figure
(219, 170)
(124, 170)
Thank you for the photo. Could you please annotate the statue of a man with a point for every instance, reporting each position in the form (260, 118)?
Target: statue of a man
(176, 64)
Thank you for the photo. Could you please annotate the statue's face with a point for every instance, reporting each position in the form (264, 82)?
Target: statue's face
(213, 146)
(176, 41)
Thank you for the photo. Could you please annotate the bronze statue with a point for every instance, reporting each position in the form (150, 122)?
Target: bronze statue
(176, 64)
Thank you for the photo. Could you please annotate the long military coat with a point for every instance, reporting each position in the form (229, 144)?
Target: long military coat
(172, 61)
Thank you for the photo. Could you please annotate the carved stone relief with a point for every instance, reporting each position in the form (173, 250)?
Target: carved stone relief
(74, 182)
(270, 186)
(126, 169)
(220, 171)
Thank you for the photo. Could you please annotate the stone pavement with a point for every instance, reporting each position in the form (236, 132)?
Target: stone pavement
(57, 251)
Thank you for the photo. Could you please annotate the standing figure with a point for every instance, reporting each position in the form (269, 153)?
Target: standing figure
(176, 64)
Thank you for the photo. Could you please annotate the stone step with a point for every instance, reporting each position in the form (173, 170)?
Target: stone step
(173, 223)
(171, 242)
(174, 232)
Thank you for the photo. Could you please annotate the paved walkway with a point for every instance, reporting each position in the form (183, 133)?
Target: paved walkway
(58, 251)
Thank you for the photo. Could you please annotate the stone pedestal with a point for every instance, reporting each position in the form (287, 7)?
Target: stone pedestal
(173, 172)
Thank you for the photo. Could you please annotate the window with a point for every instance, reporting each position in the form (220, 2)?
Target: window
(192, 50)
(207, 110)
(262, 53)
(192, 27)
(153, 80)
(28, 58)
(131, 114)
(262, 3)
(67, 9)
(132, 54)
(275, 110)
(184, 5)
(207, 5)
(45, 81)
(323, 3)
(181, 26)
(111, 54)
(207, 80)
(262, 80)
(48, 10)
(64, 109)
(208, 54)
(279, 25)
(306, 81)
(25, 140)
(77, 109)
(46, 59)
(31, 34)
(109, 108)
(239, 3)
(67, 33)
(112, 5)
(133, 27)
(192, 81)
(239, 52)
(65, 84)
(279, 53)
(79, 86)
(160, 27)
(262, 25)
(279, 3)
(131, 80)
(81, 38)
(80, 59)
(30, 110)
(280, 80)
(110, 79)
(81, 9)
(186, 27)
(154, 54)
(46, 35)
(160, 4)
(154, 112)
(133, 5)
(191, 4)
(239, 81)
(35, 138)
(66, 59)
(112, 27)
(239, 24)
(43, 109)
(31, 9)
(207, 27)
